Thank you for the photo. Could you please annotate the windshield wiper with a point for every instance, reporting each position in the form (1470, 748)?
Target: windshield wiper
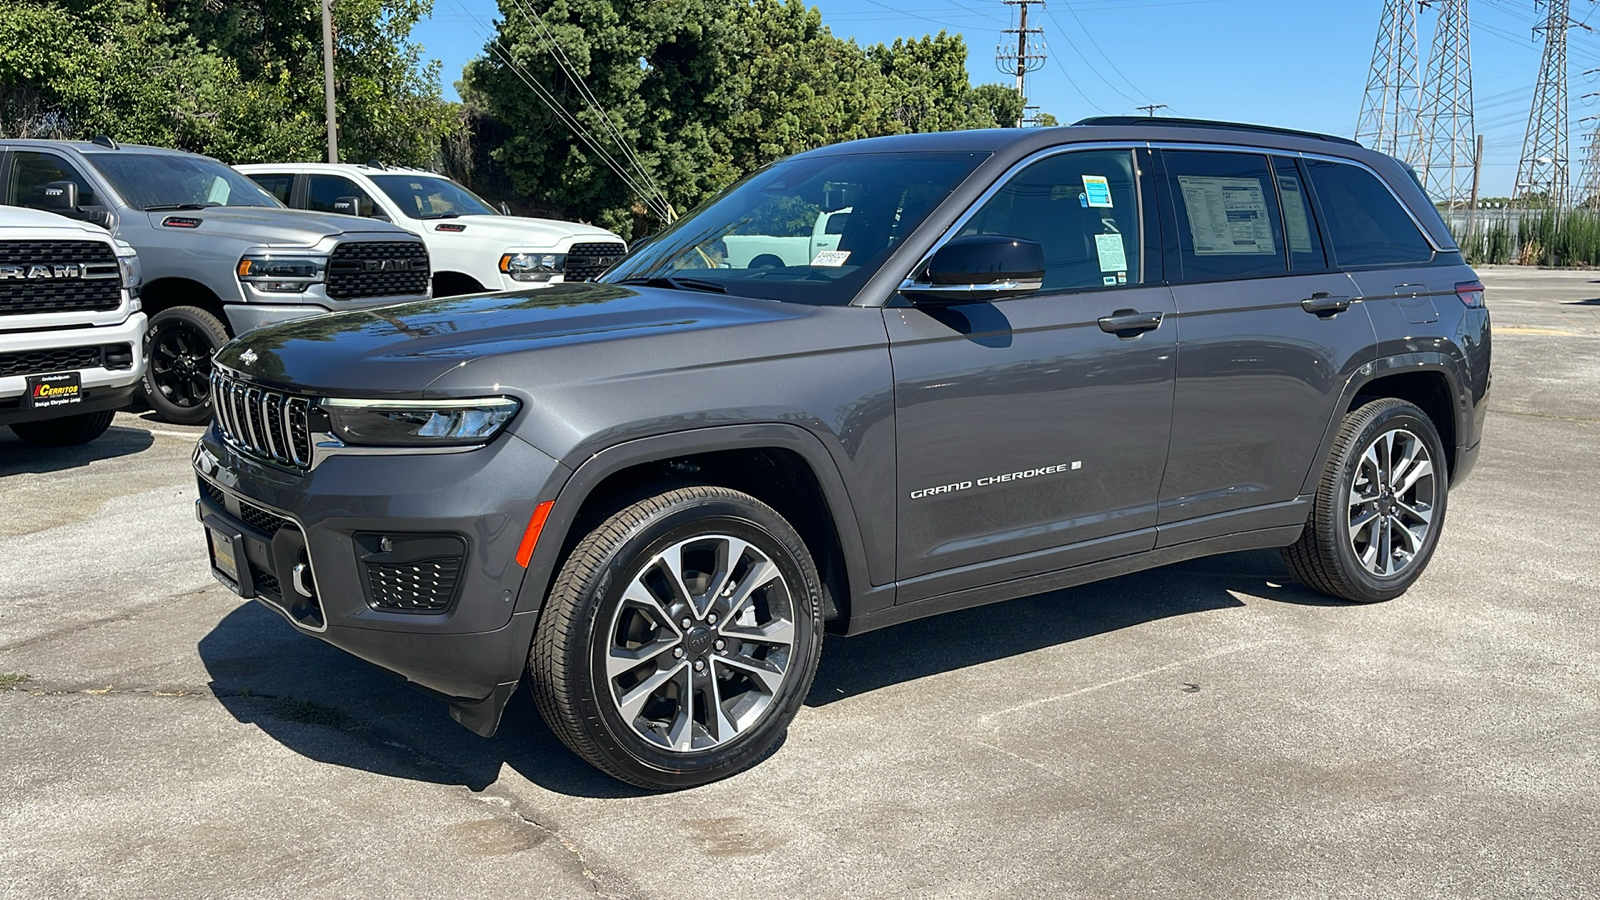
(678, 284)
(173, 207)
(442, 216)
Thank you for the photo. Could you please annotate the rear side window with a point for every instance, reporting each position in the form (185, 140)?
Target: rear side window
(276, 185)
(1228, 220)
(1299, 224)
(1082, 208)
(1366, 224)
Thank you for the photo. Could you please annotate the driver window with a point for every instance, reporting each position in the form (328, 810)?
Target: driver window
(31, 171)
(323, 190)
(1082, 208)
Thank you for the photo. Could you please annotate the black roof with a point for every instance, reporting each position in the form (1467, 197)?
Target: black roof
(1174, 122)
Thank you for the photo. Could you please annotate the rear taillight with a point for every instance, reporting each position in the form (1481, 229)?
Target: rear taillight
(1471, 293)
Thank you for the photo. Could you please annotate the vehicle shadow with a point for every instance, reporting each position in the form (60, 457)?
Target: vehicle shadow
(1592, 301)
(17, 457)
(334, 708)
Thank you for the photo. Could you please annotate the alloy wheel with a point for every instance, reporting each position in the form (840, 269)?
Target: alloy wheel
(1392, 500)
(180, 364)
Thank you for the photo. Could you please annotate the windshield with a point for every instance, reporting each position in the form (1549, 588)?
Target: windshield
(807, 230)
(431, 197)
(159, 181)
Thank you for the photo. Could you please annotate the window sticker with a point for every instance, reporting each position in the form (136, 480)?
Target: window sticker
(1227, 216)
(1122, 278)
(1109, 281)
(1294, 215)
(1113, 258)
(1097, 191)
(832, 259)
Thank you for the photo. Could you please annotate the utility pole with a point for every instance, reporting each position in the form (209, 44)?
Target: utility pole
(327, 80)
(1446, 154)
(1029, 55)
(1150, 109)
(1543, 169)
(1477, 176)
(1388, 121)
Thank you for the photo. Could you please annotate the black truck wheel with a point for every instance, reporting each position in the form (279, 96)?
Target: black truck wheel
(1379, 508)
(178, 347)
(67, 431)
(680, 638)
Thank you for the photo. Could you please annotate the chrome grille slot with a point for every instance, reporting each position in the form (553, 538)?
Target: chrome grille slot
(262, 422)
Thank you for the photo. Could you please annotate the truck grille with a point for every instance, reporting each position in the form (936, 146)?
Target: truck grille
(40, 362)
(585, 261)
(378, 269)
(264, 423)
(22, 295)
(428, 585)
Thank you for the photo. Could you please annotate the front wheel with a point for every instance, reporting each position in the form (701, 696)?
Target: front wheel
(680, 638)
(1379, 508)
(178, 347)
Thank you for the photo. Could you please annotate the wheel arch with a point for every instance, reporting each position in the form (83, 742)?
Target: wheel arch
(450, 283)
(165, 293)
(781, 465)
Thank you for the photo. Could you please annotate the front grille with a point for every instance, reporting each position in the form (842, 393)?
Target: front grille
(40, 362)
(378, 269)
(264, 423)
(24, 295)
(428, 585)
(585, 261)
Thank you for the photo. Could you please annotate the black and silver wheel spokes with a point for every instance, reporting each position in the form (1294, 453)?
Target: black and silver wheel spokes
(1391, 503)
(700, 643)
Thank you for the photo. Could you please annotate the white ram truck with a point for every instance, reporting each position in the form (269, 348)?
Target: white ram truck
(765, 251)
(473, 246)
(71, 329)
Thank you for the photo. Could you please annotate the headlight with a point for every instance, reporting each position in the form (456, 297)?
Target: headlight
(132, 279)
(532, 266)
(282, 274)
(419, 422)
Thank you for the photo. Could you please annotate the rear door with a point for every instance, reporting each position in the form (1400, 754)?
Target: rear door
(1268, 334)
(1024, 426)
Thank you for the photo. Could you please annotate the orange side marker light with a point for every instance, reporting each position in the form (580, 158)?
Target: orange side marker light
(530, 538)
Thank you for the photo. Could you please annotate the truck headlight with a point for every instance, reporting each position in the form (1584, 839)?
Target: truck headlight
(282, 274)
(418, 422)
(533, 267)
(132, 277)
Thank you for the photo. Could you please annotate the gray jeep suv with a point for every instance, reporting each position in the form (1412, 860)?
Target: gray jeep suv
(220, 256)
(1035, 358)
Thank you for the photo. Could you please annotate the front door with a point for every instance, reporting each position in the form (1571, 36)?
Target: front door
(1029, 436)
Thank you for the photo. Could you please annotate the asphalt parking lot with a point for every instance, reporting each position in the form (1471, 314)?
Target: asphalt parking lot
(1209, 730)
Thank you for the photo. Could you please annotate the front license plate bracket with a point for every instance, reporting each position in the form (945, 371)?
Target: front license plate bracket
(225, 547)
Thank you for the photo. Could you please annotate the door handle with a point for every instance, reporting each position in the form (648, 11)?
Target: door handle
(1126, 323)
(1325, 305)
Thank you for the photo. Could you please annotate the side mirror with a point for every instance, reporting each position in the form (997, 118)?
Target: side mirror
(61, 196)
(975, 269)
(348, 206)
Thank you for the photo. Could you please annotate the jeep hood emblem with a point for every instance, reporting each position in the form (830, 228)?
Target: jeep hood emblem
(248, 357)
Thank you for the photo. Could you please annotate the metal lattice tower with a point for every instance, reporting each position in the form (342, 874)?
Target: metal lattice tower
(1588, 192)
(1388, 121)
(1445, 157)
(1027, 56)
(1542, 175)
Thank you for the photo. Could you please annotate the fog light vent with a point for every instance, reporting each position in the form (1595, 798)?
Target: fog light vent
(411, 572)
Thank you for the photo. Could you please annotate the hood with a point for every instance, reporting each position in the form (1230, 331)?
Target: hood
(519, 231)
(401, 350)
(29, 221)
(274, 227)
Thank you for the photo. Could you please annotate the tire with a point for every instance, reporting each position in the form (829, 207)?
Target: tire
(766, 261)
(1366, 541)
(614, 598)
(178, 347)
(67, 431)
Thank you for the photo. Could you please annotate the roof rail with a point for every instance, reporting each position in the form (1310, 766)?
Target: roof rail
(1174, 122)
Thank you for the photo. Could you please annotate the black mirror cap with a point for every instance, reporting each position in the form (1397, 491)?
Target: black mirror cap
(61, 196)
(347, 206)
(976, 268)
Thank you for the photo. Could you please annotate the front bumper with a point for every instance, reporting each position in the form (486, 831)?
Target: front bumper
(333, 521)
(102, 388)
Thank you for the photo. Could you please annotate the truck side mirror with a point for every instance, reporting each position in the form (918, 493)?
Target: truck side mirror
(347, 206)
(977, 268)
(61, 196)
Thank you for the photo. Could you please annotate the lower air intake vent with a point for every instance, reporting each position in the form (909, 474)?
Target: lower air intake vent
(411, 572)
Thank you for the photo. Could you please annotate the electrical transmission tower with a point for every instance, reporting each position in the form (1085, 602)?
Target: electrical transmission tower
(1388, 121)
(1446, 156)
(1542, 174)
(1027, 56)
(1588, 192)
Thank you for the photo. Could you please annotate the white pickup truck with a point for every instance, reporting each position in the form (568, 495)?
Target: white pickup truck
(763, 251)
(71, 329)
(473, 246)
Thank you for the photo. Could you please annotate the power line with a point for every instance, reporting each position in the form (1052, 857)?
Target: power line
(1029, 56)
(1542, 173)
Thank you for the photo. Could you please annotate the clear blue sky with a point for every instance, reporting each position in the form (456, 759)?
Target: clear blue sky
(1298, 64)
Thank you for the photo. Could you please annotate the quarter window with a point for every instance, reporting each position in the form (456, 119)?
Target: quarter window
(323, 190)
(1299, 224)
(1366, 224)
(31, 172)
(1082, 208)
(1228, 220)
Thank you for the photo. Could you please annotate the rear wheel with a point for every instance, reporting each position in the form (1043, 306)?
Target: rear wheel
(179, 346)
(67, 431)
(680, 638)
(1379, 508)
